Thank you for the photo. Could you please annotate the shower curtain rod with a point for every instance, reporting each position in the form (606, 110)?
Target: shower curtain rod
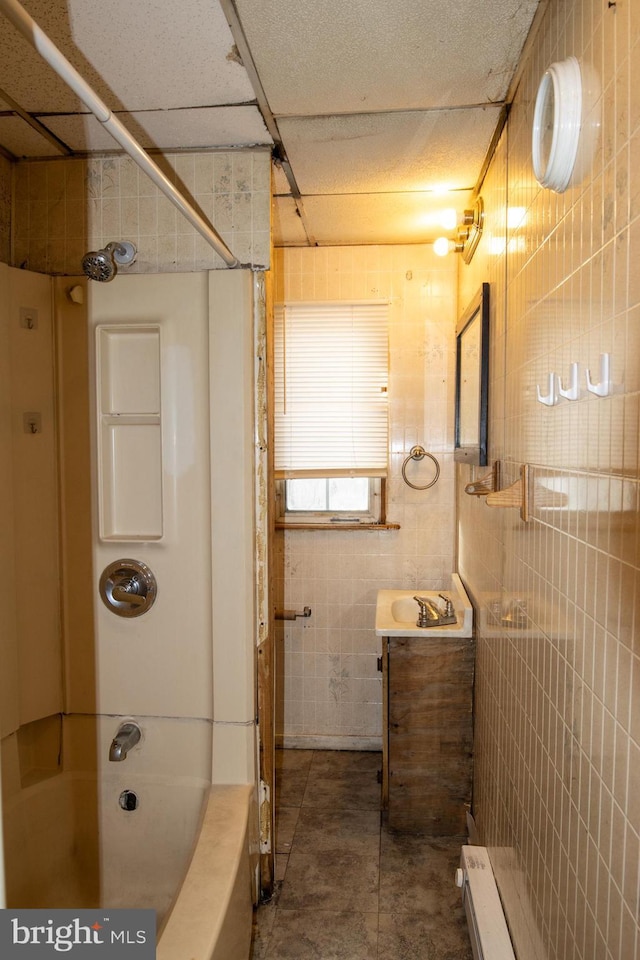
(39, 40)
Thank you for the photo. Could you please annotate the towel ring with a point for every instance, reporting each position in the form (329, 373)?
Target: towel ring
(418, 453)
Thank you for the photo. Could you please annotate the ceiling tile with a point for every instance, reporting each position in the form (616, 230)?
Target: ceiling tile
(335, 57)
(22, 140)
(389, 152)
(170, 129)
(139, 56)
(381, 218)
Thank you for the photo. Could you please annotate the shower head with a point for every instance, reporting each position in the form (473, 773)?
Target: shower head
(103, 264)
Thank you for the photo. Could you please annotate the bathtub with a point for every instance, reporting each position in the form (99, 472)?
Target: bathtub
(184, 850)
(212, 915)
(190, 841)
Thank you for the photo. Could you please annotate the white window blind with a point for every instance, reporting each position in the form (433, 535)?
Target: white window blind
(331, 370)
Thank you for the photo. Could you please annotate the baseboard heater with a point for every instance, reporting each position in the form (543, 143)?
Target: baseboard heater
(488, 930)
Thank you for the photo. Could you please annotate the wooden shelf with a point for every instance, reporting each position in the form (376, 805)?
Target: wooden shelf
(517, 495)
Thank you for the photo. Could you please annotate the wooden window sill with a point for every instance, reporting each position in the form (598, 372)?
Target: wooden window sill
(337, 526)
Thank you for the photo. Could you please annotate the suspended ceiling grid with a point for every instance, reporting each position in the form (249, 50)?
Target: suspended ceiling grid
(374, 107)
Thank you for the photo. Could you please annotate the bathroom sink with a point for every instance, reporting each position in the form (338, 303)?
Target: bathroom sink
(397, 612)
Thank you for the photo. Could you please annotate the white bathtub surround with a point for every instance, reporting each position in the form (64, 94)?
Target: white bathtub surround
(233, 524)
(168, 770)
(160, 664)
(70, 840)
(211, 918)
(192, 654)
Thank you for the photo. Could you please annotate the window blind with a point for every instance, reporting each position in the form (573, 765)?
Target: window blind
(330, 380)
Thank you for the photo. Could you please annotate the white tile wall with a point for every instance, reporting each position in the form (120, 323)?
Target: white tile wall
(331, 686)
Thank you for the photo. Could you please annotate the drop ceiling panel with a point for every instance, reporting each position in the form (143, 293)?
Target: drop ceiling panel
(380, 218)
(370, 97)
(22, 140)
(389, 152)
(170, 129)
(337, 57)
(140, 55)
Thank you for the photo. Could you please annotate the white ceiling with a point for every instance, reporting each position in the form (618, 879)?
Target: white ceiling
(372, 108)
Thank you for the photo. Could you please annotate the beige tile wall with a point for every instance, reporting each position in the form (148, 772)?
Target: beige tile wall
(557, 749)
(331, 687)
(63, 208)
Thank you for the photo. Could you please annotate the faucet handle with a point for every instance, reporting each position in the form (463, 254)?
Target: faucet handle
(128, 588)
(127, 592)
(448, 605)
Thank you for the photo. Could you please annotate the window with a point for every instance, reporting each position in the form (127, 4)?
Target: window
(334, 500)
(331, 433)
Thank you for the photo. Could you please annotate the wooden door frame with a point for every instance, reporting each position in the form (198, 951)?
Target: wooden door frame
(265, 649)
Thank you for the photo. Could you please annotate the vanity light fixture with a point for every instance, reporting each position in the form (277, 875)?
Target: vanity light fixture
(556, 124)
(468, 234)
(471, 230)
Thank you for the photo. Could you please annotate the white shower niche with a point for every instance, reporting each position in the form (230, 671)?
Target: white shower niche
(129, 432)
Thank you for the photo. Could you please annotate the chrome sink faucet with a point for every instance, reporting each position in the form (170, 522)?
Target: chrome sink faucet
(127, 736)
(430, 614)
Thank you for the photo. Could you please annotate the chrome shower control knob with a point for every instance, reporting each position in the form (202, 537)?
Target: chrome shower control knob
(128, 588)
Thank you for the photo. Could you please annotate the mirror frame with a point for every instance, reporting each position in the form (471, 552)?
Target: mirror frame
(478, 310)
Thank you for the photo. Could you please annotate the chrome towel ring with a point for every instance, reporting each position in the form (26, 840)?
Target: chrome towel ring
(418, 453)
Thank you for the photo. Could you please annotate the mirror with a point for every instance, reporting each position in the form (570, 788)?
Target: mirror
(472, 380)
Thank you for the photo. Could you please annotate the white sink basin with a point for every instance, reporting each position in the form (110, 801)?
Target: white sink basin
(397, 612)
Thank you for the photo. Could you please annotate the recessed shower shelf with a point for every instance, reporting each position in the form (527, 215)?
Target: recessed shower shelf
(129, 431)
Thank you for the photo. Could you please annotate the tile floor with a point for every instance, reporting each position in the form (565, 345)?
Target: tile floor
(346, 887)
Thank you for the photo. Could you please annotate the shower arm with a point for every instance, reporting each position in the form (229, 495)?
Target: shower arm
(39, 40)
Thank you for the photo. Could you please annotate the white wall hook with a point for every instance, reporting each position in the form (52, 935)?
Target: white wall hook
(603, 388)
(552, 391)
(573, 390)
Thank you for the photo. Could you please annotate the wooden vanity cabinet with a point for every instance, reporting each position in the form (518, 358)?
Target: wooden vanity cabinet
(427, 734)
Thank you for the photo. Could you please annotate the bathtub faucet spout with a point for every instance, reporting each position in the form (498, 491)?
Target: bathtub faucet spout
(127, 736)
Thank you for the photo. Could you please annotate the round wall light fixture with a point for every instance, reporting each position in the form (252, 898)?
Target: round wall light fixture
(556, 124)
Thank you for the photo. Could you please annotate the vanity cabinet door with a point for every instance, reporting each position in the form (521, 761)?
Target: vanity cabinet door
(429, 734)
